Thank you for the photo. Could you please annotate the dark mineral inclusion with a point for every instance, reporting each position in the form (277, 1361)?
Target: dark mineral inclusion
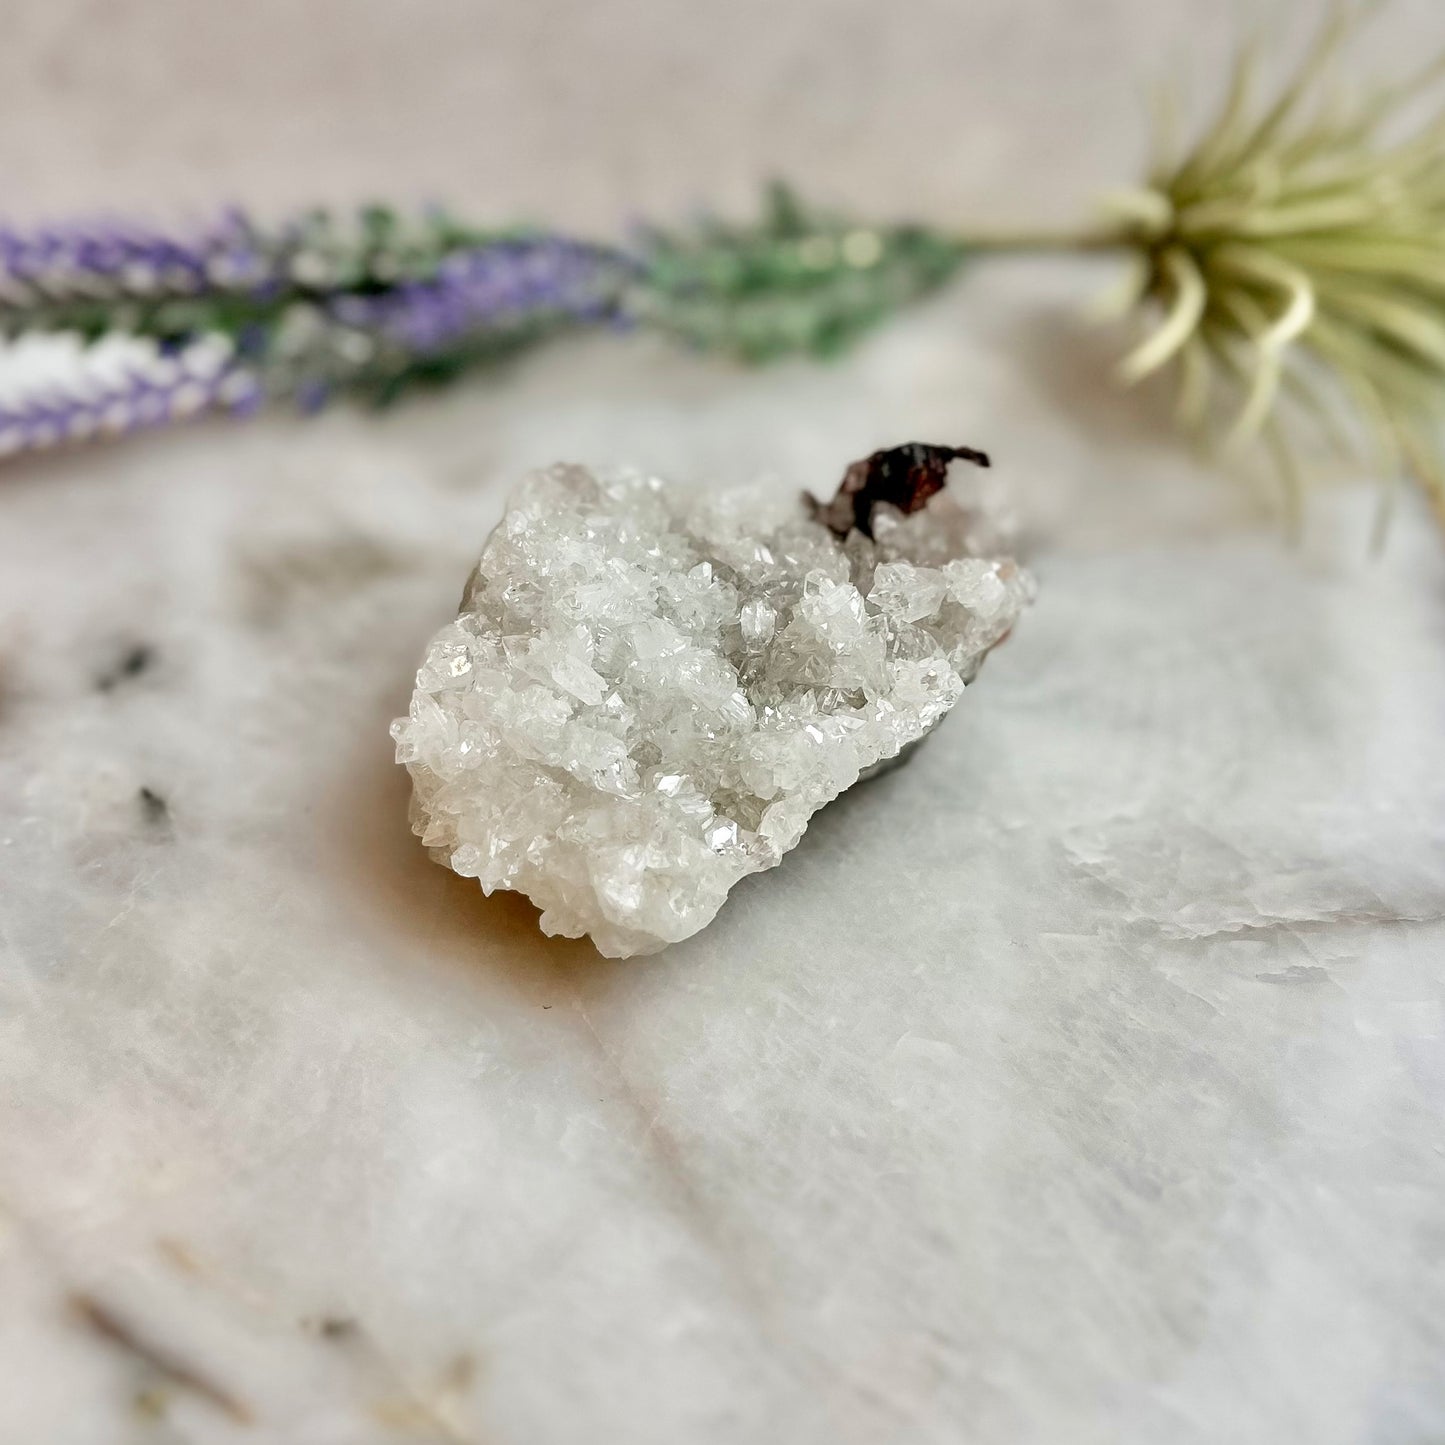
(905, 476)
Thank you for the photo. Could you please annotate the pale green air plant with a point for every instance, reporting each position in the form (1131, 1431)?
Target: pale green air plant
(1298, 252)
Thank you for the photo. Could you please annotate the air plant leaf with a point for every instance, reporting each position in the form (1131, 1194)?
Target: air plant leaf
(1297, 250)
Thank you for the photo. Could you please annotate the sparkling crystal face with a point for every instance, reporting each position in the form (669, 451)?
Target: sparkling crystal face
(648, 693)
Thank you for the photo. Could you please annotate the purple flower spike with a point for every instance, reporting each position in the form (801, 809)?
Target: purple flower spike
(501, 286)
(98, 260)
(167, 392)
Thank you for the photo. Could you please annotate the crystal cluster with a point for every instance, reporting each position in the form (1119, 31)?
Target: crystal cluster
(648, 693)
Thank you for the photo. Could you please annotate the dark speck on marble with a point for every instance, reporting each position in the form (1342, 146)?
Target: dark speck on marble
(133, 661)
(155, 809)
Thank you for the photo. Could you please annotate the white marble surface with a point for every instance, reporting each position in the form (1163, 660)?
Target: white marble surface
(1081, 1082)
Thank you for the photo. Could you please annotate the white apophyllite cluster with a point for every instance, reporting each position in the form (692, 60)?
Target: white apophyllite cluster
(648, 693)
